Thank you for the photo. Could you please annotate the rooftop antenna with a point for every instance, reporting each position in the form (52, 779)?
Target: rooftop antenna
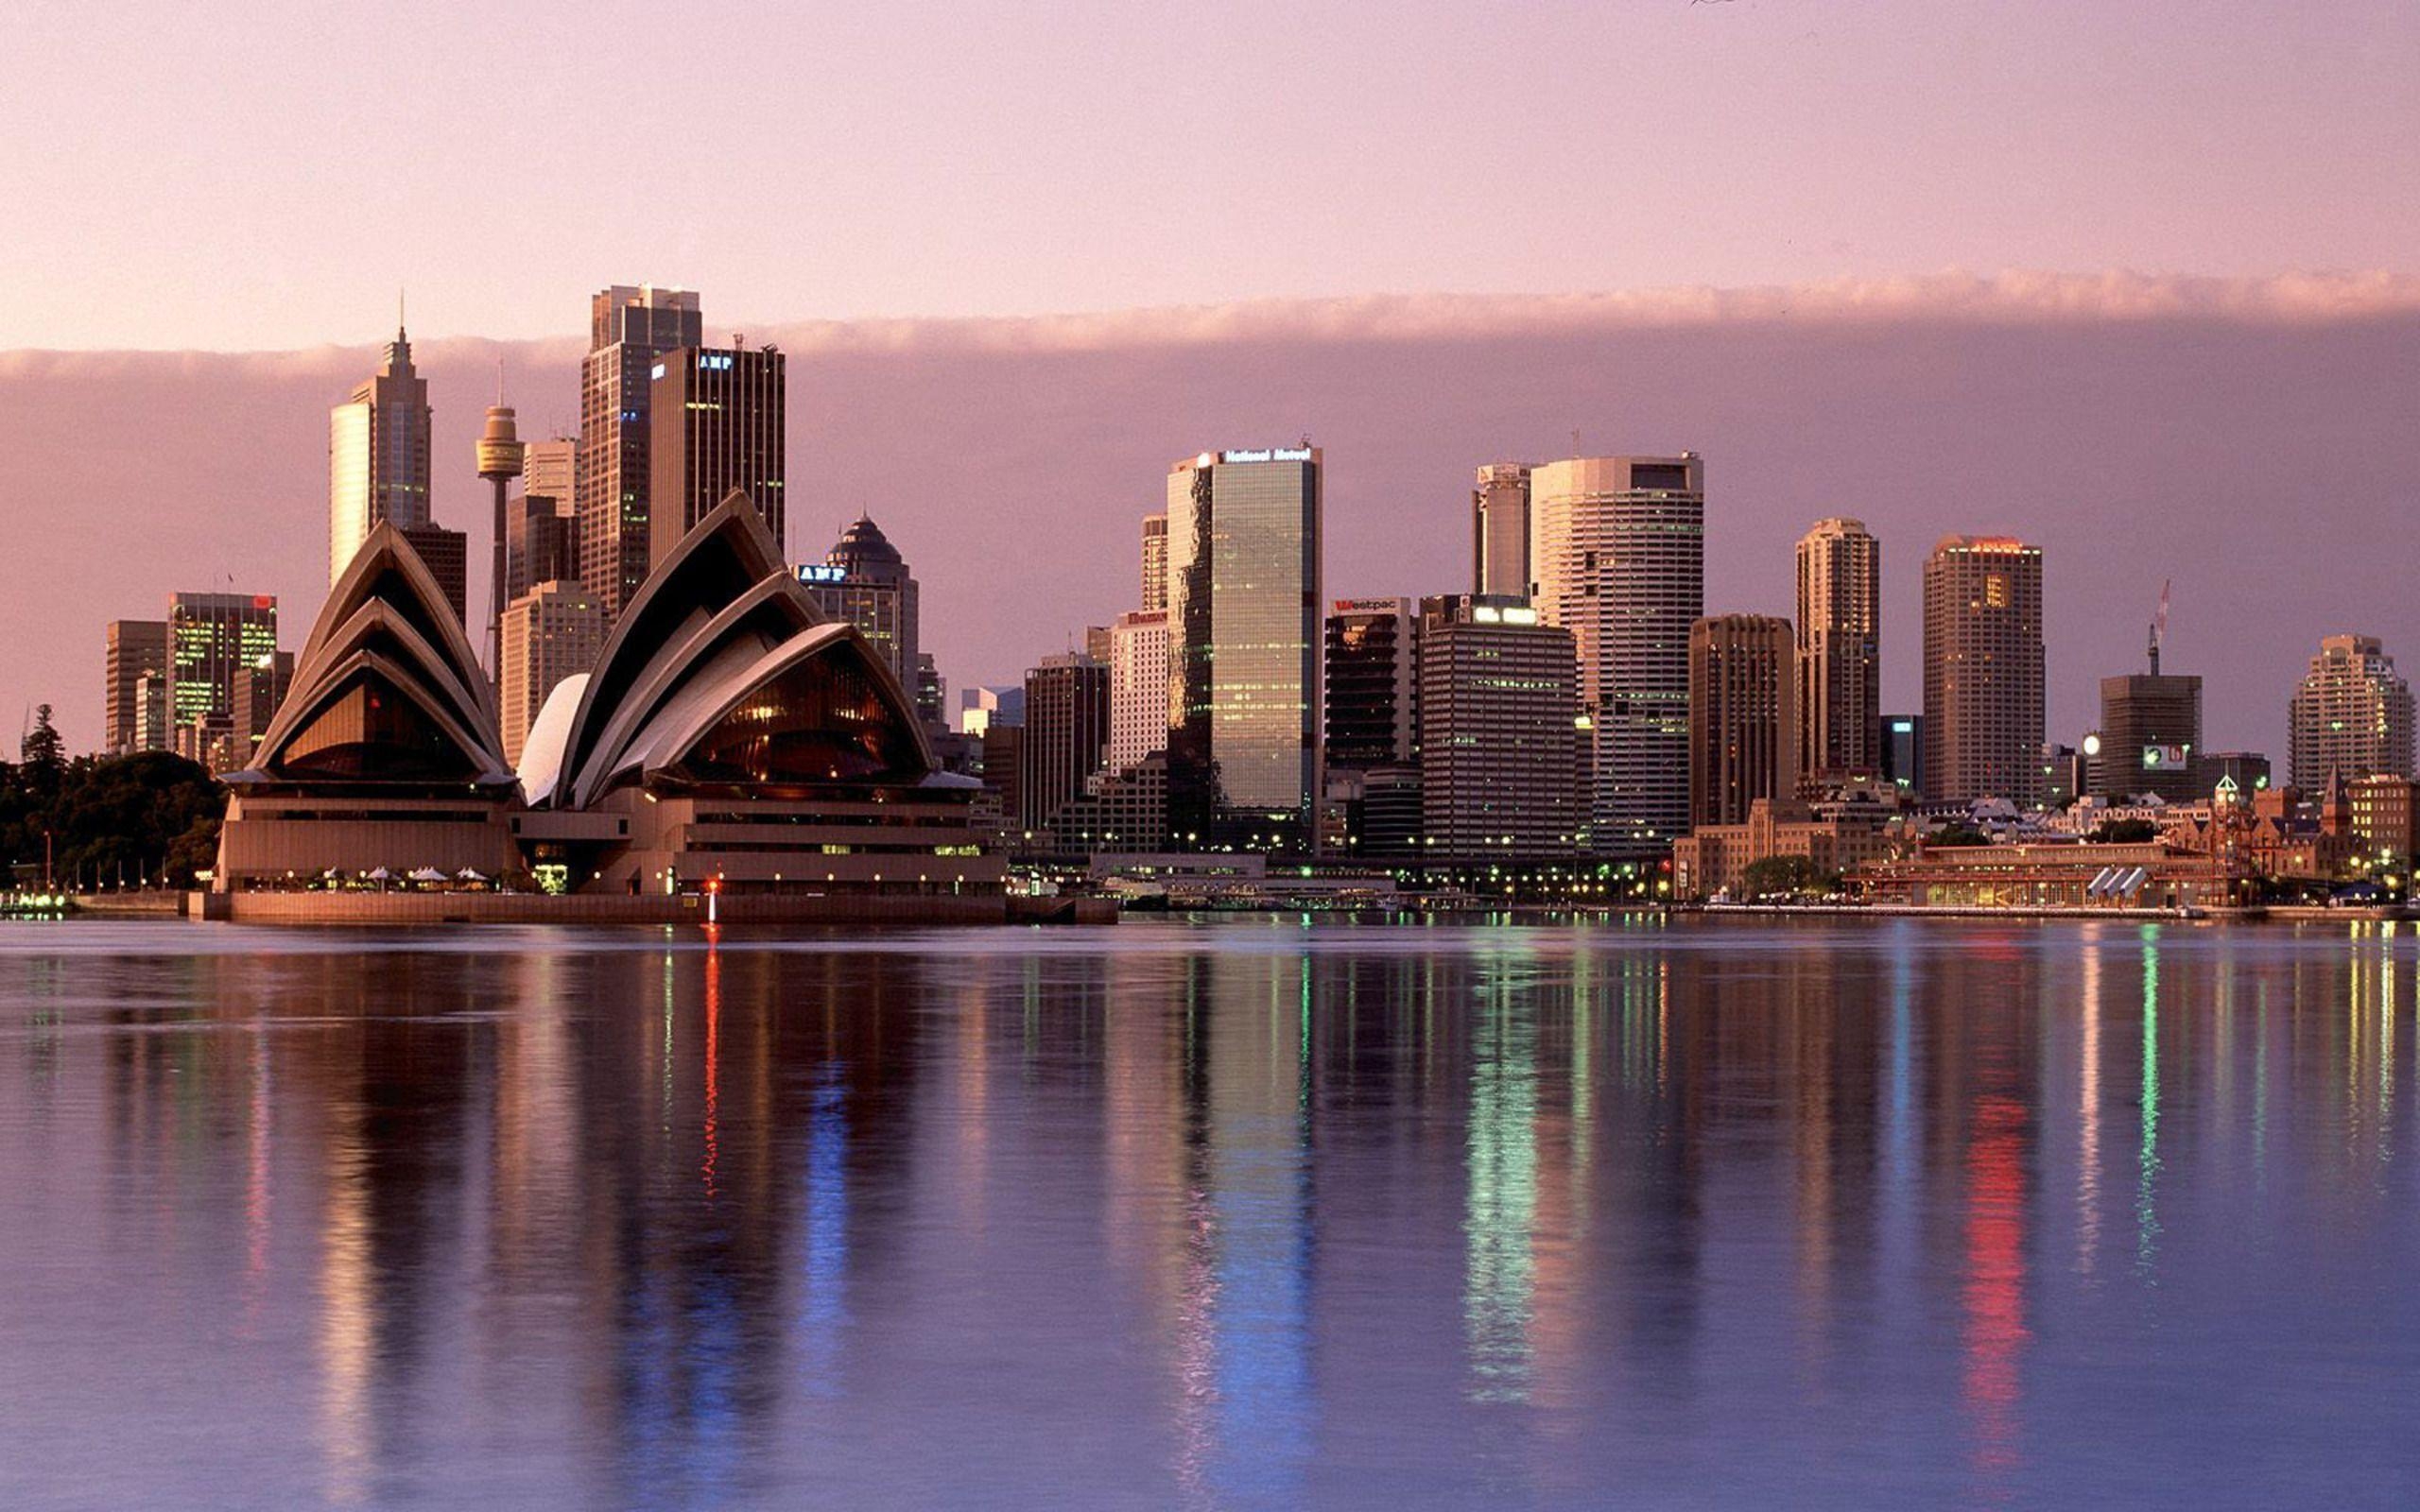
(2159, 627)
(1575, 440)
(499, 383)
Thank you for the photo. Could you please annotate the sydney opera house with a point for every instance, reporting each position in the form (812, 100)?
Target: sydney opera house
(729, 738)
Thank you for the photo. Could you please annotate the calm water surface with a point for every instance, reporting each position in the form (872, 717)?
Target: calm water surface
(1247, 1214)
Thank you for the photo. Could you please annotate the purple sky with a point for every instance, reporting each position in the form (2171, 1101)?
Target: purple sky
(1273, 191)
(268, 176)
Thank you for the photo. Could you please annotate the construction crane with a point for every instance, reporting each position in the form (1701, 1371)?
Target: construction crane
(2159, 626)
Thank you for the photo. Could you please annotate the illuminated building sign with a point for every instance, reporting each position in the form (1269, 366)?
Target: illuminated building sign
(1279, 454)
(815, 572)
(2166, 755)
(714, 362)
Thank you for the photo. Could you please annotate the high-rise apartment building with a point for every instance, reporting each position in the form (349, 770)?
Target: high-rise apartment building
(1155, 562)
(1983, 670)
(215, 640)
(1838, 667)
(1244, 631)
(1742, 735)
(715, 423)
(1501, 774)
(628, 331)
(2151, 737)
(1067, 735)
(260, 688)
(1618, 556)
(378, 455)
(1500, 531)
(1372, 683)
(865, 581)
(555, 629)
(1138, 687)
(136, 648)
(2350, 717)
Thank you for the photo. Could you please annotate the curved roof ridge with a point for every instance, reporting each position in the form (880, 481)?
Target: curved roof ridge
(388, 547)
(672, 742)
(678, 594)
(485, 760)
(666, 673)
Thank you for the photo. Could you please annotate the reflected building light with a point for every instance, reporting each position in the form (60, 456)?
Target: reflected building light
(2088, 1097)
(2146, 1179)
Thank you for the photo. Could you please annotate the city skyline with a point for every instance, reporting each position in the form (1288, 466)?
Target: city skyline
(1748, 535)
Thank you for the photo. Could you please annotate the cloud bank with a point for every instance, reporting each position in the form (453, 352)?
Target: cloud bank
(2253, 439)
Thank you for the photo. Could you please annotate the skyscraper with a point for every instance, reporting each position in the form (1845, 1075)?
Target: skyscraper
(549, 469)
(1372, 683)
(2350, 717)
(864, 580)
(1066, 732)
(1500, 772)
(555, 629)
(135, 649)
(629, 330)
(1155, 562)
(1618, 556)
(1983, 670)
(540, 545)
(1138, 687)
(213, 639)
(1742, 736)
(378, 455)
(2151, 737)
(1245, 638)
(715, 425)
(1837, 668)
(1501, 530)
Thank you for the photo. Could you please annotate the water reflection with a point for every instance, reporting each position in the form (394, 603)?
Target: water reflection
(1254, 1216)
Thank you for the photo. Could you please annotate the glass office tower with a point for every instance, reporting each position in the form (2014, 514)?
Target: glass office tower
(1245, 639)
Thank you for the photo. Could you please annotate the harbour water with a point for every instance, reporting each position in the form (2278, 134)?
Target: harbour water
(1253, 1213)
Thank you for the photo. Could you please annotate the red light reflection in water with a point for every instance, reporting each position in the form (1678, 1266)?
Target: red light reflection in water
(714, 1054)
(1995, 1292)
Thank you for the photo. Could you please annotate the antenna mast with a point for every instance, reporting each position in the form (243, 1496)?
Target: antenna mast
(2159, 627)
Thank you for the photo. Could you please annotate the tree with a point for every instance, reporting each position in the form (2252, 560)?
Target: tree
(1786, 876)
(2123, 831)
(1957, 834)
(42, 756)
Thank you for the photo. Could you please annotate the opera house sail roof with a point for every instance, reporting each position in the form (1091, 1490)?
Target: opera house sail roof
(727, 731)
(722, 673)
(387, 689)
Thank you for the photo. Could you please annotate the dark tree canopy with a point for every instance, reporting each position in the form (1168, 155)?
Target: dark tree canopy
(146, 817)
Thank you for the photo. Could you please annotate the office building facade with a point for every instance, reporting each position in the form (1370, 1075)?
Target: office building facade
(1245, 638)
(630, 329)
(1155, 562)
(1372, 683)
(214, 641)
(715, 423)
(1065, 738)
(135, 649)
(1500, 531)
(2350, 717)
(1618, 558)
(1838, 659)
(554, 630)
(1742, 732)
(2150, 738)
(1501, 774)
(1138, 687)
(1983, 670)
